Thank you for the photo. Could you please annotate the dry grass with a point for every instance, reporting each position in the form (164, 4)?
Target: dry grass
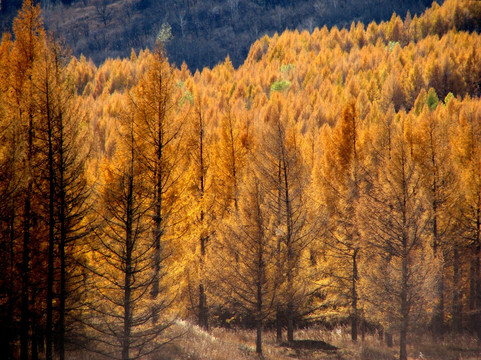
(222, 344)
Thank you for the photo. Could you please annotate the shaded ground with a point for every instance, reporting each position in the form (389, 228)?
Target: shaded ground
(222, 344)
(309, 345)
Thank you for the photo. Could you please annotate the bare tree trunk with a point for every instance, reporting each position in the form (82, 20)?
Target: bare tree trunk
(354, 316)
(51, 229)
(457, 307)
(11, 301)
(25, 313)
(404, 304)
(203, 312)
(278, 325)
(63, 240)
(290, 321)
(259, 337)
(128, 272)
(259, 318)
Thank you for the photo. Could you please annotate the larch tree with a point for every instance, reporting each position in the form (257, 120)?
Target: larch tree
(9, 152)
(123, 257)
(283, 178)
(203, 208)
(29, 39)
(432, 152)
(341, 172)
(467, 145)
(245, 257)
(160, 123)
(63, 132)
(394, 228)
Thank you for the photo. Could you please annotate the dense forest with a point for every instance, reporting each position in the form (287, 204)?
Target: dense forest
(333, 179)
(202, 32)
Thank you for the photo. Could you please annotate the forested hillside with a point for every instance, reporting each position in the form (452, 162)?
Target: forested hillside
(332, 180)
(203, 31)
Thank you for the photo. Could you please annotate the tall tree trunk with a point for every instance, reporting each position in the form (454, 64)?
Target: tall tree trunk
(11, 302)
(203, 310)
(157, 216)
(404, 304)
(25, 313)
(51, 231)
(290, 321)
(63, 241)
(477, 265)
(457, 306)
(278, 324)
(403, 343)
(475, 279)
(259, 337)
(354, 315)
(128, 273)
(438, 316)
(259, 308)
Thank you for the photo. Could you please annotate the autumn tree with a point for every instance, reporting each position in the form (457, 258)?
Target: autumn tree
(159, 122)
(341, 172)
(283, 179)
(432, 152)
(203, 208)
(123, 257)
(244, 258)
(468, 159)
(63, 148)
(394, 225)
(9, 150)
(29, 37)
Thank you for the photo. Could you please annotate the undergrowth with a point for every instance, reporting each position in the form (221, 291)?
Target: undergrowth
(223, 344)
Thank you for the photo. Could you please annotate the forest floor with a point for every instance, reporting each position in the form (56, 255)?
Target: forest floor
(222, 344)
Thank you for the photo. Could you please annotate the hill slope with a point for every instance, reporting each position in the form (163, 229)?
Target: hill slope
(204, 31)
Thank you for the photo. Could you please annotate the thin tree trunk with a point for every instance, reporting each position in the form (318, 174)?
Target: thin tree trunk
(203, 315)
(128, 273)
(51, 233)
(457, 307)
(63, 241)
(203, 311)
(404, 304)
(259, 316)
(157, 217)
(354, 316)
(402, 342)
(278, 325)
(11, 302)
(259, 337)
(472, 294)
(25, 313)
(477, 272)
(290, 321)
